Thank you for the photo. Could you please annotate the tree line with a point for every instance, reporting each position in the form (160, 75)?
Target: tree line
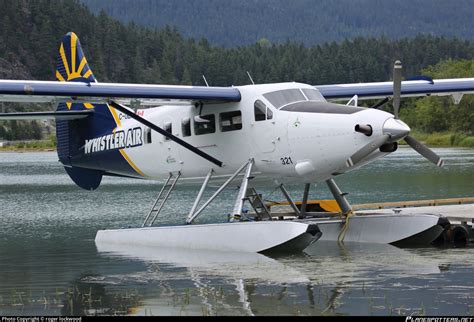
(32, 29)
(242, 22)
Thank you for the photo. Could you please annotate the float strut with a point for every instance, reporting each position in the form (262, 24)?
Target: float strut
(339, 196)
(199, 196)
(287, 196)
(305, 200)
(189, 220)
(239, 202)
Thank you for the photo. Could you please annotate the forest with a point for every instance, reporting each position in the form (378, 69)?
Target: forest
(243, 22)
(32, 29)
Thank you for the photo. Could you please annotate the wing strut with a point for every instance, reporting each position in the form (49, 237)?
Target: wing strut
(170, 136)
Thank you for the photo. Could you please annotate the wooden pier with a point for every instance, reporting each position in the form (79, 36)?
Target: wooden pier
(416, 203)
(457, 209)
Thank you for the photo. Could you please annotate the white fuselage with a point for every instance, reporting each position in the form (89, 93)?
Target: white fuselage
(285, 145)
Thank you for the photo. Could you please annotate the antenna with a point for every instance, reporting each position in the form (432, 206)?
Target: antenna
(250, 78)
(205, 80)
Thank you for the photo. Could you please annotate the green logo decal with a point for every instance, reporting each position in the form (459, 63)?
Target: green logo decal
(296, 123)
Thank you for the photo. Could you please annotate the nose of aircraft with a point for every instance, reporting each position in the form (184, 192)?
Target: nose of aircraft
(396, 129)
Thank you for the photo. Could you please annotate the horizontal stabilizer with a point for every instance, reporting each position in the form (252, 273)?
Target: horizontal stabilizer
(58, 115)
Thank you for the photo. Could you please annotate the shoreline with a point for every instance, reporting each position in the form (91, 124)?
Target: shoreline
(25, 150)
(433, 140)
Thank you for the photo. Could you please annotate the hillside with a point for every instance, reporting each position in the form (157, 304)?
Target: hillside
(32, 29)
(241, 22)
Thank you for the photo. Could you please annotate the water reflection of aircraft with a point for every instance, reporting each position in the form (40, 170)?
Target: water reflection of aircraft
(255, 284)
(239, 269)
(269, 133)
(226, 264)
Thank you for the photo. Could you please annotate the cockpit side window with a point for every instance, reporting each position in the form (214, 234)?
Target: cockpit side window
(269, 113)
(260, 110)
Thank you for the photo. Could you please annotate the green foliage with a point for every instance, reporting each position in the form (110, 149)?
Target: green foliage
(445, 139)
(467, 142)
(30, 145)
(435, 114)
(16, 130)
(53, 140)
(243, 22)
(31, 30)
(451, 69)
(439, 139)
(128, 53)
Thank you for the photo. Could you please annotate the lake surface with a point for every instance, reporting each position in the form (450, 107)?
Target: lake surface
(50, 265)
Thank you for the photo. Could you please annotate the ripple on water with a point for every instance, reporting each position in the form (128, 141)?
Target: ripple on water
(47, 250)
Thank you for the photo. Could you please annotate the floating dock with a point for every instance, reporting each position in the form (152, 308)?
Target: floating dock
(455, 226)
(458, 211)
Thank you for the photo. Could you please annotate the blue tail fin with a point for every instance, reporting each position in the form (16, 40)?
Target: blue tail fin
(84, 169)
(71, 65)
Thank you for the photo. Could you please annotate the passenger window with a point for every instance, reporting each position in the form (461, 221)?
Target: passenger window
(260, 110)
(168, 128)
(206, 126)
(231, 121)
(186, 127)
(147, 135)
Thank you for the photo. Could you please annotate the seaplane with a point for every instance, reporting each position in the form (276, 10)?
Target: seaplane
(240, 136)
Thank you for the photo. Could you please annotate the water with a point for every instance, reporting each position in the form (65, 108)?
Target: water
(49, 264)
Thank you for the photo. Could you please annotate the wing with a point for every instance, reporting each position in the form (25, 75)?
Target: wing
(410, 88)
(93, 92)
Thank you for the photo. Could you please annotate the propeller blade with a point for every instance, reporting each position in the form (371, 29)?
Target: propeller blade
(366, 150)
(156, 128)
(397, 87)
(424, 151)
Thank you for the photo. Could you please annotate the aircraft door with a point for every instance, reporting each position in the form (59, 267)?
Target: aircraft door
(264, 128)
(169, 150)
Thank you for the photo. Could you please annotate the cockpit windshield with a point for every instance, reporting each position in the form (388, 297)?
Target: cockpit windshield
(313, 95)
(286, 96)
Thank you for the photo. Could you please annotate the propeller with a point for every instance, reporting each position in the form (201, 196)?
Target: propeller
(394, 129)
(416, 145)
(156, 128)
(424, 151)
(366, 150)
(397, 87)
